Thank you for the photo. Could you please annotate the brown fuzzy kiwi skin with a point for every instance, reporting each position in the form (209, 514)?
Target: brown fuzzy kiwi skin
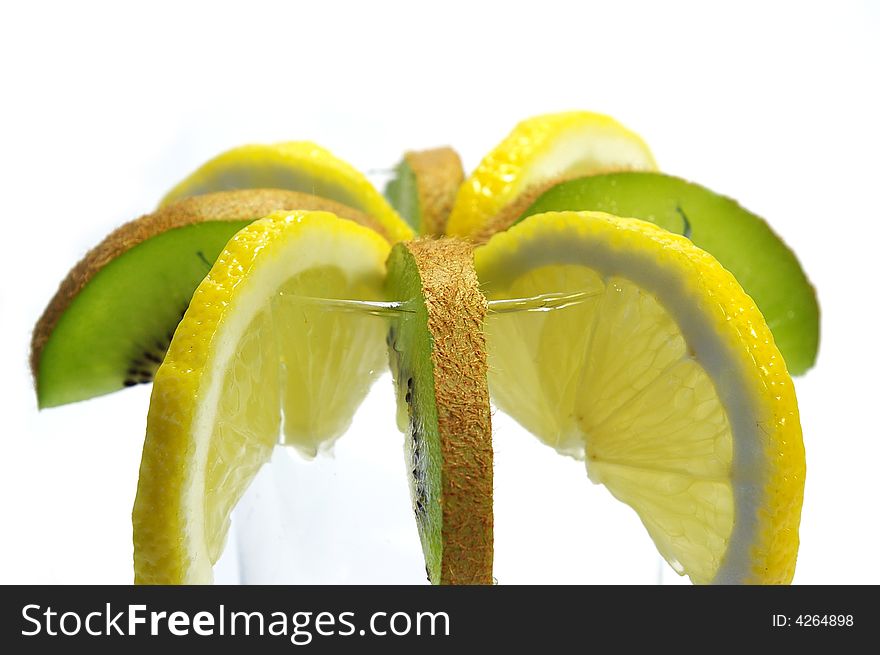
(224, 205)
(438, 174)
(456, 312)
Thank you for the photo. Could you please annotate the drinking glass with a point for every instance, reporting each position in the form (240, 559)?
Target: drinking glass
(345, 515)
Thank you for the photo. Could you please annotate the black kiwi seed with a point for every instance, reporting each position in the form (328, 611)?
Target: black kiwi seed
(421, 491)
(142, 368)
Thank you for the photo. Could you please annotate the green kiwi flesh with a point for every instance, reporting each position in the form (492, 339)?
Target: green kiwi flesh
(761, 262)
(438, 359)
(115, 332)
(402, 192)
(112, 319)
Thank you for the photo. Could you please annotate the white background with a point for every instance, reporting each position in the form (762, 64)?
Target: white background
(104, 107)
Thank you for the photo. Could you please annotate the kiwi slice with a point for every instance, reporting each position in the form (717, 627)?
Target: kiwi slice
(744, 244)
(111, 320)
(438, 359)
(423, 188)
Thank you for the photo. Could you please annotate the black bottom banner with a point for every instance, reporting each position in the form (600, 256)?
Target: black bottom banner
(426, 619)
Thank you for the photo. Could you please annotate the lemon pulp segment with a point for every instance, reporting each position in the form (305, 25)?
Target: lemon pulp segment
(663, 377)
(330, 357)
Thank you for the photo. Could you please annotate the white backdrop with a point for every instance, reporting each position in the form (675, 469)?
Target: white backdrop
(105, 107)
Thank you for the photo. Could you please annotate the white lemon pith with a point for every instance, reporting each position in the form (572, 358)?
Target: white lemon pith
(215, 413)
(663, 376)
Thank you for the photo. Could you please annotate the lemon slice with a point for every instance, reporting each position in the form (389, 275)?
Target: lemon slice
(541, 151)
(655, 367)
(249, 344)
(298, 166)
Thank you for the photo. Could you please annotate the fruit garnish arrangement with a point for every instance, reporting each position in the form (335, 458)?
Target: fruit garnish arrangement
(625, 317)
